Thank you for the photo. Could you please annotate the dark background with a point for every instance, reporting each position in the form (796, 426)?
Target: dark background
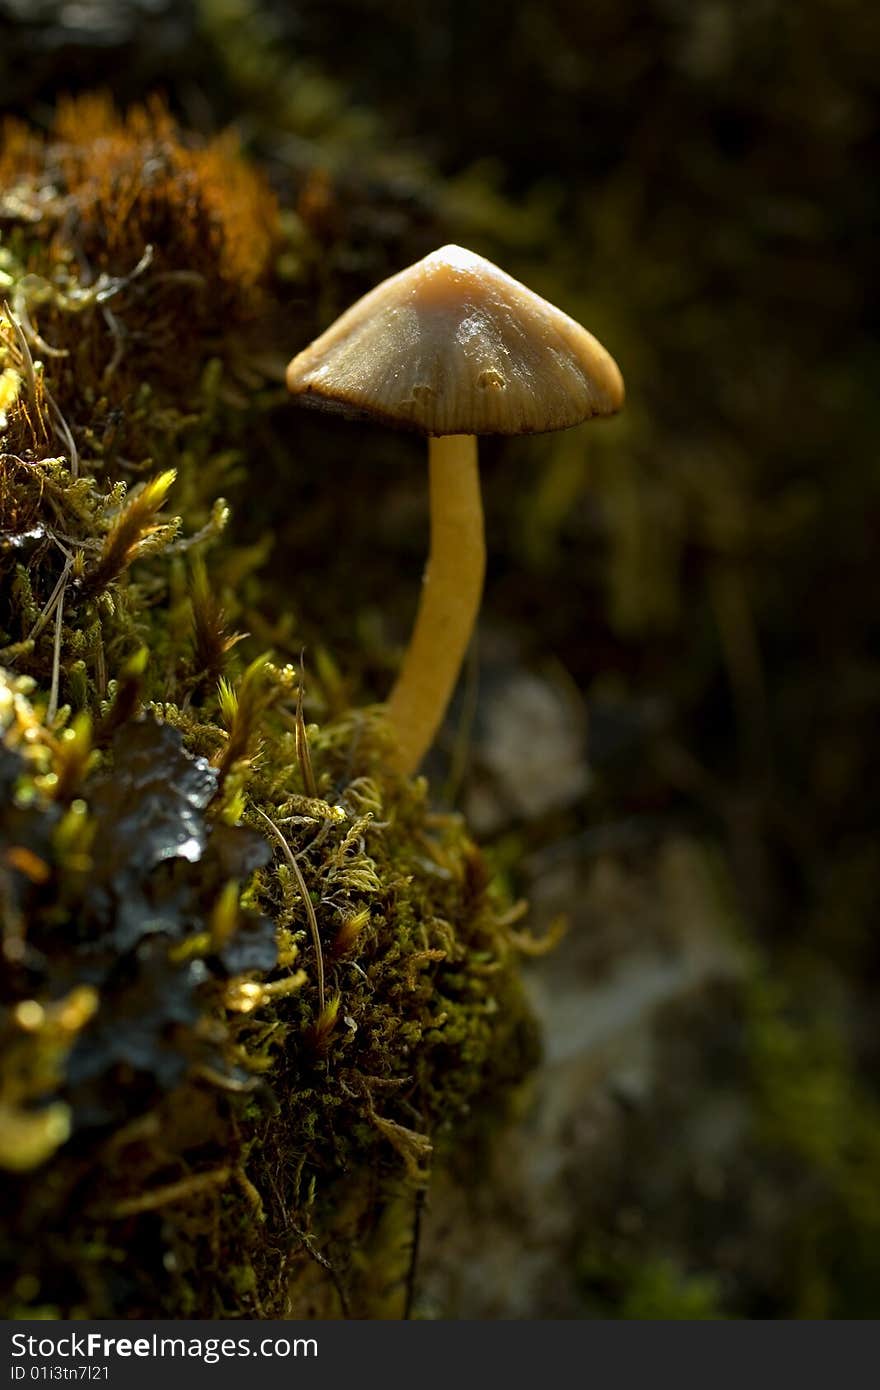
(668, 733)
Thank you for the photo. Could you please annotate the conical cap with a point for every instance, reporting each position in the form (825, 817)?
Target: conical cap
(453, 345)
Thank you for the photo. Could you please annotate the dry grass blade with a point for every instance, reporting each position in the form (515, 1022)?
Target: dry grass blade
(49, 608)
(65, 432)
(34, 387)
(309, 905)
(52, 708)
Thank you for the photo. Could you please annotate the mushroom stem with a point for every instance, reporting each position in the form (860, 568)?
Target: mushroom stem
(449, 602)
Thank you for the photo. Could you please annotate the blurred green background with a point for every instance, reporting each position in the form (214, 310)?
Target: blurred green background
(667, 732)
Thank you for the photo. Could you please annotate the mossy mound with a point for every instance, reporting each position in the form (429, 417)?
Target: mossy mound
(253, 985)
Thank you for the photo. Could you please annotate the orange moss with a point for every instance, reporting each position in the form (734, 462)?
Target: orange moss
(21, 152)
(140, 252)
(135, 182)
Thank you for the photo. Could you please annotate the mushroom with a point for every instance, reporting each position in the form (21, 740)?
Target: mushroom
(453, 347)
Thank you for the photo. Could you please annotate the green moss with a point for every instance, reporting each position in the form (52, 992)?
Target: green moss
(820, 1124)
(650, 1288)
(255, 986)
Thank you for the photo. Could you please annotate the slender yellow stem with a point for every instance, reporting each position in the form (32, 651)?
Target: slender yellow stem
(449, 602)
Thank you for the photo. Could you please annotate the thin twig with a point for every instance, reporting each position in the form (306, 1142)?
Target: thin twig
(39, 343)
(106, 286)
(52, 709)
(327, 1266)
(65, 430)
(49, 609)
(309, 905)
(83, 543)
(115, 327)
(27, 363)
(410, 1293)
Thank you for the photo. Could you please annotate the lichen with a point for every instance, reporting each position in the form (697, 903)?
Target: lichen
(254, 985)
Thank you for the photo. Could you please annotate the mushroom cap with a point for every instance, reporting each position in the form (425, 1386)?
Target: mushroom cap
(453, 345)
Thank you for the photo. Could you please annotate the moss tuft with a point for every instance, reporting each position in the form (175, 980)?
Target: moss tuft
(254, 987)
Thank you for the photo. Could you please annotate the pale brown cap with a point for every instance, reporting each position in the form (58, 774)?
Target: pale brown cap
(453, 345)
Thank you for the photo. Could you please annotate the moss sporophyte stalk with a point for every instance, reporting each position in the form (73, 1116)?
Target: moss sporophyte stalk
(254, 987)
